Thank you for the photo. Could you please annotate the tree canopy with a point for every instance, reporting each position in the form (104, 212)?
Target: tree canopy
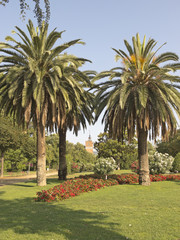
(172, 147)
(9, 135)
(122, 152)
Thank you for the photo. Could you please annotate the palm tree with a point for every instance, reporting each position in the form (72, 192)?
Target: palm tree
(30, 78)
(75, 119)
(71, 113)
(141, 96)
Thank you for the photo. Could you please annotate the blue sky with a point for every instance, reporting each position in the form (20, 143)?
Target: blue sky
(103, 24)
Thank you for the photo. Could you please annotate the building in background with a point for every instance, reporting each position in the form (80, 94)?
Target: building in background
(89, 145)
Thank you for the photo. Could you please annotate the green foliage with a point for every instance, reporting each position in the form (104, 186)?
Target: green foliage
(19, 146)
(15, 160)
(172, 147)
(80, 155)
(52, 151)
(176, 163)
(151, 148)
(28, 146)
(160, 163)
(69, 161)
(104, 166)
(77, 155)
(9, 134)
(122, 152)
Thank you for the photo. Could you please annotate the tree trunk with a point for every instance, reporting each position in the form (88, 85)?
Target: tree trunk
(62, 172)
(2, 164)
(144, 178)
(29, 168)
(41, 155)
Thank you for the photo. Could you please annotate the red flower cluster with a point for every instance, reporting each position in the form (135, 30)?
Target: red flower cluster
(170, 177)
(86, 183)
(72, 188)
(135, 166)
(126, 178)
(134, 178)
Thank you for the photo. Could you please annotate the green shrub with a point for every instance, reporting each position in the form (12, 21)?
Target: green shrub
(176, 163)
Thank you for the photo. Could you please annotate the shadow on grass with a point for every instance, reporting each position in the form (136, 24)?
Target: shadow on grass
(21, 185)
(24, 216)
(20, 182)
(50, 181)
(177, 182)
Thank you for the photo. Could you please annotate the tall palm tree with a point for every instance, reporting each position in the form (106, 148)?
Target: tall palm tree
(74, 112)
(30, 79)
(142, 95)
(75, 119)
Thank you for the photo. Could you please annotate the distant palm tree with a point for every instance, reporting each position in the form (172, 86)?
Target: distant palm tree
(32, 75)
(141, 96)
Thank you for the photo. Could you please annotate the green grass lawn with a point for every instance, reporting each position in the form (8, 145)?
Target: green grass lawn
(120, 212)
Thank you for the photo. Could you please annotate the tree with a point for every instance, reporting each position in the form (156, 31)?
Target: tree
(74, 120)
(172, 147)
(141, 96)
(72, 112)
(39, 13)
(28, 147)
(15, 160)
(32, 76)
(8, 138)
(80, 155)
(77, 155)
(122, 152)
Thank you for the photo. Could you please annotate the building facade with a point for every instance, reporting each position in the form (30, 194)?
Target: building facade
(89, 145)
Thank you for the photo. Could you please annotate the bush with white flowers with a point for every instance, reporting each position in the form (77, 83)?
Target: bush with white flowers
(104, 166)
(160, 163)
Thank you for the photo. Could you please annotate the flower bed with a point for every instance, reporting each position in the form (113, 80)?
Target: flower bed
(72, 188)
(93, 182)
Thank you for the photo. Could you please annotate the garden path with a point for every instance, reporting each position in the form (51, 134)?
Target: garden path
(25, 178)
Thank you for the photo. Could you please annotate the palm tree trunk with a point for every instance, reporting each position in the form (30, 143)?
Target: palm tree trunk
(62, 172)
(41, 155)
(143, 158)
(2, 164)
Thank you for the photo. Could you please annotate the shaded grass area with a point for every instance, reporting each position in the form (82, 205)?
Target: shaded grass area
(120, 212)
